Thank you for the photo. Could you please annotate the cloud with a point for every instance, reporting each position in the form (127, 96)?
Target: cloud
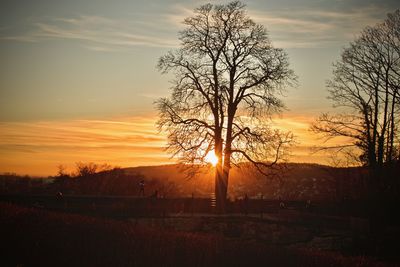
(178, 13)
(297, 27)
(307, 25)
(317, 27)
(41, 146)
(306, 142)
(97, 33)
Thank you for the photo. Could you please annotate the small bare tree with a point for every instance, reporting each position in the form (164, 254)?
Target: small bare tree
(62, 171)
(227, 78)
(366, 84)
(85, 169)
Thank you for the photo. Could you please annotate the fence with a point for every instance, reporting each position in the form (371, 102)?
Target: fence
(121, 206)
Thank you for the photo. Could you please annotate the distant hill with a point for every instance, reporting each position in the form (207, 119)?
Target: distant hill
(293, 181)
(296, 181)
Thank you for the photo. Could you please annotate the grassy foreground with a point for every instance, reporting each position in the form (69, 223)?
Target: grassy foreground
(33, 237)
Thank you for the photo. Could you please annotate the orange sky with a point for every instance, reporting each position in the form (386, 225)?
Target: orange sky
(37, 148)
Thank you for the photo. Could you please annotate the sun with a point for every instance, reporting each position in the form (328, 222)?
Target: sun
(211, 158)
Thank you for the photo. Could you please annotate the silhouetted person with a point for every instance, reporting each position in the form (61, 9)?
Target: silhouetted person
(281, 203)
(141, 188)
(308, 204)
(60, 198)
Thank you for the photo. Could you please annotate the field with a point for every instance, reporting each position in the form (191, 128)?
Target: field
(37, 237)
(99, 220)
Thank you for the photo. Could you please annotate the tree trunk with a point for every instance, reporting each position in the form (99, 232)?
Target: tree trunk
(225, 179)
(375, 129)
(220, 185)
(381, 139)
(392, 128)
(222, 172)
(221, 188)
(222, 177)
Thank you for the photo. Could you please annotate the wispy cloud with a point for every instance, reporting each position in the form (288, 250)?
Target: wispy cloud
(303, 27)
(97, 33)
(38, 147)
(289, 27)
(305, 140)
(178, 13)
(310, 28)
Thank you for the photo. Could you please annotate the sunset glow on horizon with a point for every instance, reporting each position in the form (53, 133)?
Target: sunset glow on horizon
(44, 145)
(38, 148)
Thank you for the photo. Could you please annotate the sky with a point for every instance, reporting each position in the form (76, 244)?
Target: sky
(78, 78)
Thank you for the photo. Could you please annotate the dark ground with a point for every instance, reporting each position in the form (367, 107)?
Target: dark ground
(39, 237)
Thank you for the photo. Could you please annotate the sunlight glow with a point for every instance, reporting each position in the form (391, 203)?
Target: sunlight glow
(211, 158)
(38, 147)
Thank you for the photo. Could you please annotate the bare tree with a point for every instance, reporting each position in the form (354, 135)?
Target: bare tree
(86, 169)
(227, 78)
(365, 85)
(62, 171)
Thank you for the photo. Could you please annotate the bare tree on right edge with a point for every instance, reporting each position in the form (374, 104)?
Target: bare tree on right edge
(365, 85)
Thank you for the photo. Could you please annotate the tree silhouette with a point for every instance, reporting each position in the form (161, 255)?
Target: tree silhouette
(365, 85)
(227, 79)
